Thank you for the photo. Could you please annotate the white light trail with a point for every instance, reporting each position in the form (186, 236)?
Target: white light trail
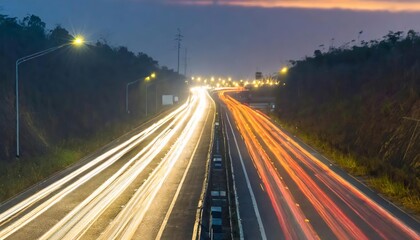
(128, 220)
(111, 156)
(83, 216)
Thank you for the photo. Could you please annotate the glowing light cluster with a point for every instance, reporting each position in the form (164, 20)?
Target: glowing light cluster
(229, 82)
(306, 171)
(184, 121)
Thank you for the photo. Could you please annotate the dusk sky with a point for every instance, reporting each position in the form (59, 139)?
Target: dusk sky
(224, 37)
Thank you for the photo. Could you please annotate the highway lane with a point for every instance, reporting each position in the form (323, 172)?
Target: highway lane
(257, 221)
(309, 199)
(110, 195)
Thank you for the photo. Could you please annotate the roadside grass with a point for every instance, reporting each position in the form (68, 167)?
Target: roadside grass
(18, 175)
(395, 191)
(21, 174)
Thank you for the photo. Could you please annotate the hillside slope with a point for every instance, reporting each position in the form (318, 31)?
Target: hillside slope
(357, 99)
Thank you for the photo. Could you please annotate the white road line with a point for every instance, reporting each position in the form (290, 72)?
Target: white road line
(171, 207)
(198, 215)
(254, 202)
(238, 215)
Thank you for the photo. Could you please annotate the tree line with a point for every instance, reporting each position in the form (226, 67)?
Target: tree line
(71, 92)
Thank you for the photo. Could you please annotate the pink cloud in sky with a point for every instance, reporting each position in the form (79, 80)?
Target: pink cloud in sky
(358, 5)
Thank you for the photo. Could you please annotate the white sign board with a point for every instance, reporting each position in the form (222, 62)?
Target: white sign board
(167, 100)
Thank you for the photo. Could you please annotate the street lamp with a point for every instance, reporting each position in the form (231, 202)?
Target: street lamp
(284, 70)
(77, 41)
(153, 75)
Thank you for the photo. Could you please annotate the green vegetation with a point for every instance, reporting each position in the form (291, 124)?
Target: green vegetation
(18, 175)
(397, 192)
(350, 102)
(72, 101)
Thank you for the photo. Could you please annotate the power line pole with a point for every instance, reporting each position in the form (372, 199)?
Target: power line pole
(358, 36)
(185, 69)
(332, 44)
(178, 38)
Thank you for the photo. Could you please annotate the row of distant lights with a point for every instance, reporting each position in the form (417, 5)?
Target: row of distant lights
(221, 82)
(232, 83)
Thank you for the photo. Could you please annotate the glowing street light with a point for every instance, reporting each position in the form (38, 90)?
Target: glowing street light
(284, 70)
(153, 75)
(77, 41)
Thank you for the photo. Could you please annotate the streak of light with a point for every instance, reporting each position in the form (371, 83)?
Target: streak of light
(81, 218)
(290, 155)
(128, 220)
(281, 199)
(52, 194)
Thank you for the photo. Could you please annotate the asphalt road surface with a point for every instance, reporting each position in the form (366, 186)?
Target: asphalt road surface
(144, 186)
(286, 190)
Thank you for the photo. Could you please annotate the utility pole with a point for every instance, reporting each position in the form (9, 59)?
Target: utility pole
(185, 70)
(358, 36)
(332, 44)
(178, 38)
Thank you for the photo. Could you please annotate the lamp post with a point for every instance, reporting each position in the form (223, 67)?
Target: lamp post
(126, 94)
(77, 41)
(153, 75)
(156, 98)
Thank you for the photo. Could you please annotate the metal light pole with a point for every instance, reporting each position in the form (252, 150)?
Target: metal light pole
(156, 98)
(76, 41)
(153, 75)
(146, 94)
(126, 94)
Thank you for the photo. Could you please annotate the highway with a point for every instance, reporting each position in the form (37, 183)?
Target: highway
(286, 190)
(136, 188)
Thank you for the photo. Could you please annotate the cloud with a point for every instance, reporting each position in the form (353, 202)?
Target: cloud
(357, 5)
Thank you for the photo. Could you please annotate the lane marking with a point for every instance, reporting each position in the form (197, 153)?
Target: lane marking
(238, 215)
(198, 215)
(171, 207)
(254, 202)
